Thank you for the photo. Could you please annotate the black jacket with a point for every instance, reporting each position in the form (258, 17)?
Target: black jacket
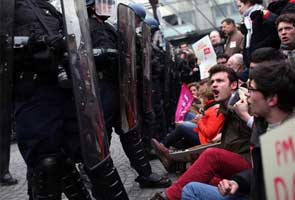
(282, 7)
(44, 50)
(104, 36)
(264, 33)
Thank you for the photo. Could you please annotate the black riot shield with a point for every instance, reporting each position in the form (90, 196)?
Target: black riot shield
(127, 67)
(146, 64)
(94, 140)
(6, 68)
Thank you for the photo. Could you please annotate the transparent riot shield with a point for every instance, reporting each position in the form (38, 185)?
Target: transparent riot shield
(146, 44)
(170, 102)
(94, 140)
(127, 67)
(6, 69)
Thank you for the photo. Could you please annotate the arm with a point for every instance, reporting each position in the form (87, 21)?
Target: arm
(211, 123)
(239, 183)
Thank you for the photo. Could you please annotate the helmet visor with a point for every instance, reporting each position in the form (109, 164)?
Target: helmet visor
(105, 7)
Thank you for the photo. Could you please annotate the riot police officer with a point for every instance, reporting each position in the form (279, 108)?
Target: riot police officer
(45, 113)
(158, 79)
(105, 39)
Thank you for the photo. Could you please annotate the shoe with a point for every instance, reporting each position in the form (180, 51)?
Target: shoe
(159, 196)
(163, 154)
(7, 180)
(153, 181)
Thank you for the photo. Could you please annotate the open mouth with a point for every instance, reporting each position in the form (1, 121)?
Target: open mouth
(215, 93)
(285, 39)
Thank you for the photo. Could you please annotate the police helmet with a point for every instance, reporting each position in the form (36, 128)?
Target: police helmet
(89, 3)
(138, 9)
(152, 22)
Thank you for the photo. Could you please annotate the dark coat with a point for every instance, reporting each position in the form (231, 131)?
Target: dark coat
(264, 33)
(104, 36)
(282, 7)
(235, 134)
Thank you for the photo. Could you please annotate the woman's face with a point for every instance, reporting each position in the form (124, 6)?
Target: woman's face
(242, 7)
(194, 91)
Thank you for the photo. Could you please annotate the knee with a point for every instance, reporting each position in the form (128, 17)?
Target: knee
(211, 152)
(189, 191)
(49, 165)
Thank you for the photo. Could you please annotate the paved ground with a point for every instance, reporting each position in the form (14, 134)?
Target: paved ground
(18, 169)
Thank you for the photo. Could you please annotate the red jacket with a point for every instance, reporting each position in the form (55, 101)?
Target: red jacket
(210, 124)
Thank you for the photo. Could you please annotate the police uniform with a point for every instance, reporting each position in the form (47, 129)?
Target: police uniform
(46, 124)
(104, 37)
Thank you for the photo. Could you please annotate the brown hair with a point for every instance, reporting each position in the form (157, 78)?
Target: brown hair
(287, 18)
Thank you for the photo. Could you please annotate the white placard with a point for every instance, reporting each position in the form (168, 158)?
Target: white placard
(278, 155)
(205, 53)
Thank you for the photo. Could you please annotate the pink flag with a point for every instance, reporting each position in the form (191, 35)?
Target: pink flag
(184, 102)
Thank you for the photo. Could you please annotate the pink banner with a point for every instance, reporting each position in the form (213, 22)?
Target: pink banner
(184, 102)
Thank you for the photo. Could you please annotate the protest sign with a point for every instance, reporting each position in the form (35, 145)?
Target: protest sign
(278, 155)
(205, 53)
(184, 102)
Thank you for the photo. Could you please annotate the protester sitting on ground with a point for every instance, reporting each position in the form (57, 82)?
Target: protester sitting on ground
(201, 130)
(265, 54)
(216, 163)
(222, 59)
(196, 104)
(271, 97)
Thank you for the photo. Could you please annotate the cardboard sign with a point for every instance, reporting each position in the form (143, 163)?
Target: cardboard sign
(184, 103)
(278, 155)
(185, 155)
(205, 53)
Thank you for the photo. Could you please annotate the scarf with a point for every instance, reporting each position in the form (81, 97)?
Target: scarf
(248, 21)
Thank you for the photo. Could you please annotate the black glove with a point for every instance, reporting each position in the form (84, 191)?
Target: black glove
(57, 43)
(36, 43)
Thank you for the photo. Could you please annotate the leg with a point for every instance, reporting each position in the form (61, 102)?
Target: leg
(212, 162)
(200, 191)
(46, 183)
(184, 130)
(5, 133)
(157, 102)
(38, 126)
(106, 182)
(104, 179)
(131, 141)
(72, 184)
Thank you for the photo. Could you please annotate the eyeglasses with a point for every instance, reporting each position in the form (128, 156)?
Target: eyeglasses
(252, 90)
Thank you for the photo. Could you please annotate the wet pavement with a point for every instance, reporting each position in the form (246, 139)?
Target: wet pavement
(18, 170)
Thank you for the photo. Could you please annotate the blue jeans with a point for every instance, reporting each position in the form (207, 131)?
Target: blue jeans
(201, 191)
(184, 130)
(189, 116)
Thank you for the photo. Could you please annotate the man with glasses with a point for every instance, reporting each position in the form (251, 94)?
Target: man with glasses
(271, 97)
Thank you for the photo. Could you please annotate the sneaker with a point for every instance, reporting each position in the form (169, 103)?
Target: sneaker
(7, 180)
(163, 154)
(153, 181)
